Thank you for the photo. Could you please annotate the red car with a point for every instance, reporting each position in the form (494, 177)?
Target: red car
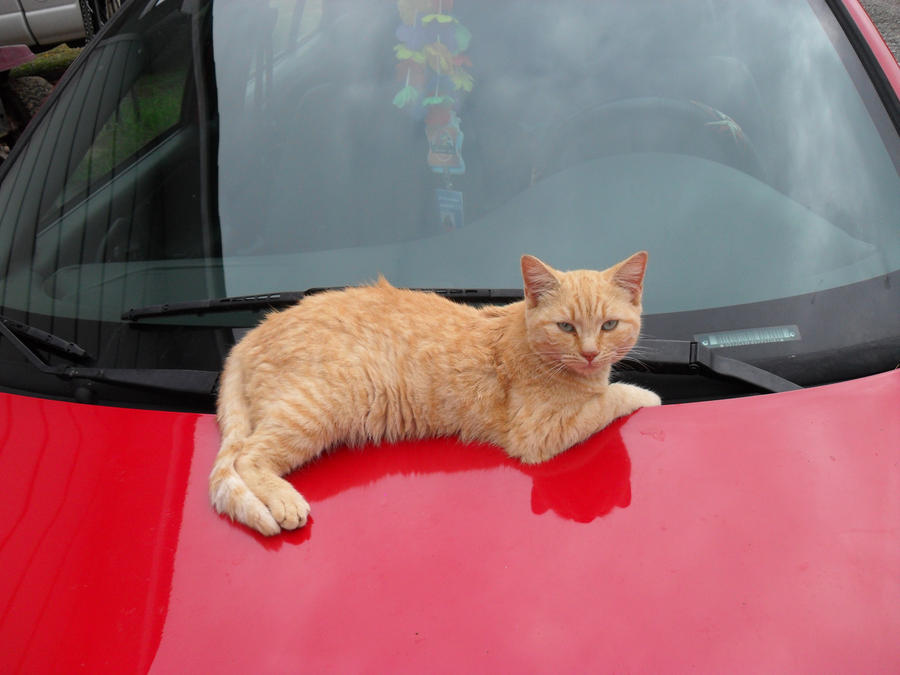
(203, 162)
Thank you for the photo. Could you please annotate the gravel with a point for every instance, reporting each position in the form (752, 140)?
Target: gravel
(886, 16)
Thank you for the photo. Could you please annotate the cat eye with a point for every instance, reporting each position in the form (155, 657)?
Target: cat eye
(566, 327)
(609, 325)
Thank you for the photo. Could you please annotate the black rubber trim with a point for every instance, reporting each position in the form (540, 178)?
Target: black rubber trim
(889, 97)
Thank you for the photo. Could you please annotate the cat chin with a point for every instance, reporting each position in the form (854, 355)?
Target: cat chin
(589, 370)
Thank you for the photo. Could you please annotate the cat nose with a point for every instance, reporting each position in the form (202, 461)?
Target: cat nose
(589, 356)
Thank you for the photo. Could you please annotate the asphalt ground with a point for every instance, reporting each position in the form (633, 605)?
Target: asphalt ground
(886, 16)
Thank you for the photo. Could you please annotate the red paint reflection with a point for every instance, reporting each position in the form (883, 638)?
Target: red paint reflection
(586, 482)
(87, 531)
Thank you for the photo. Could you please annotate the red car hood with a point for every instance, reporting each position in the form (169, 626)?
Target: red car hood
(756, 534)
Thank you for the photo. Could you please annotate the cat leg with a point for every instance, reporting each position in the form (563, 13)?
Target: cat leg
(264, 459)
(539, 435)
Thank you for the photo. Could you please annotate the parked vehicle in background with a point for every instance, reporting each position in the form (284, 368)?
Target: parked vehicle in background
(44, 23)
(38, 25)
(20, 97)
(205, 161)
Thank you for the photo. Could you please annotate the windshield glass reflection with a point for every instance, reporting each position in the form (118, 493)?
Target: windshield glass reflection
(437, 151)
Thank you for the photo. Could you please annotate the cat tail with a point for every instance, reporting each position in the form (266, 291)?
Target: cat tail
(228, 492)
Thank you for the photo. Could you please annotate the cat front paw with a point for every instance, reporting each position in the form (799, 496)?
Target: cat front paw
(287, 506)
(647, 399)
(628, 397)
(289, 509)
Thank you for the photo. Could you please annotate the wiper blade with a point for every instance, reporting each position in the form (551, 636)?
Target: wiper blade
(667, 355)
(181, 381)
(45, 339)
(466, 295)
(213, 305)
(287, 298)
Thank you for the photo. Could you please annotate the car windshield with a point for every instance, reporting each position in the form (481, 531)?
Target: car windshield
(203, 150)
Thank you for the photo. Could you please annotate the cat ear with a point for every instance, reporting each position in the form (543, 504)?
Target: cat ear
(629, 274)
(539, 279)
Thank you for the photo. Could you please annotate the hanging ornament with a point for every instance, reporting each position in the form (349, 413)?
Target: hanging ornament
(429, 36)
(432, 69)
(409, 95)
(444, 140)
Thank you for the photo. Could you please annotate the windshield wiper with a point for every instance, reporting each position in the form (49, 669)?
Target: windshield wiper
(674, 355)
(181, 381)
(287, 298)
(658, 355)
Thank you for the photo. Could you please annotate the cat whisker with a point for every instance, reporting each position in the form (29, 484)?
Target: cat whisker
(542, 367)
(630, 361)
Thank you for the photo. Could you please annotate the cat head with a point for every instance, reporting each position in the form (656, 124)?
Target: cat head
(583, 321)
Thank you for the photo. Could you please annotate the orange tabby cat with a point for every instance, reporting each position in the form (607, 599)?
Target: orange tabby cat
(380, 363)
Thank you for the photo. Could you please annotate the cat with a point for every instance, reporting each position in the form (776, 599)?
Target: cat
(373, 363)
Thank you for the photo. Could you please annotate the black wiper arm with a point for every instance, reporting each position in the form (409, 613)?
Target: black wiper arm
(181, 381)
(665, 354)
(287, 298)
